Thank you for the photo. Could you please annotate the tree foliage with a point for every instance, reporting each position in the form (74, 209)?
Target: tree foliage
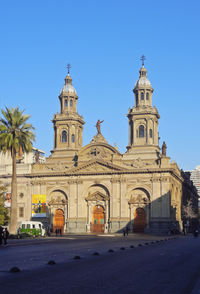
(15, 132)
(188, 210)
(15, 135)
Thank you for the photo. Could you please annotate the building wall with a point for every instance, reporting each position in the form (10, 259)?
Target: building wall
(120, 205)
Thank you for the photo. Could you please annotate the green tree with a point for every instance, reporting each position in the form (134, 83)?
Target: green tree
(3, 211)
(15, 135)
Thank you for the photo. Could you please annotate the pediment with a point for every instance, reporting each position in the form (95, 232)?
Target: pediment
(96, 167)
(97, 196)
(99, 150)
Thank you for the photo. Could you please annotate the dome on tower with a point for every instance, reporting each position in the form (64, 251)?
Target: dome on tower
(68, 88)
(143, 80)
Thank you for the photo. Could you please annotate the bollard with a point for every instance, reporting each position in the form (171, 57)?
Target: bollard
(14, 269)
(77, 257)
(51, 262)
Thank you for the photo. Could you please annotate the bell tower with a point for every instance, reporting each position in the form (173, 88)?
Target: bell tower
(68, 124)
(143, 120)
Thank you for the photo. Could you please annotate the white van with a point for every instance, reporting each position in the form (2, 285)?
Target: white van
(32, 228)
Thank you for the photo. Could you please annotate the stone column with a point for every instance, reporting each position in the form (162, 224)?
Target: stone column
(147, 210)
(155, 198)
(129, 132)
(65, 211)
(130, 212)
(133, 132)
(72, 200)
(76, 137)
(88, 217)
(147, 125)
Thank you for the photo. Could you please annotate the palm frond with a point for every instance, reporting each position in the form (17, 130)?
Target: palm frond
(15, 132)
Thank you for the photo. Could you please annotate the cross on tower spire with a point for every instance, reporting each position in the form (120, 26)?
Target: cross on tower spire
(68, 67)
(143, 59)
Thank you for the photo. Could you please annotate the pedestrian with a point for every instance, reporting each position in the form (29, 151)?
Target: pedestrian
(5, 236)
(1, 235)
(184, 230)
(124, 232)
(48, 232)
(18, 233)
(127, 230)
(56, 232)
(196, 232)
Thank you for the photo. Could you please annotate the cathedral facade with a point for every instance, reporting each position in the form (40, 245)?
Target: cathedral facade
(95, 188)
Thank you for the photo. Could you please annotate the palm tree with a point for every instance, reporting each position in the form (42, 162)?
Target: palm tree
(15, 135)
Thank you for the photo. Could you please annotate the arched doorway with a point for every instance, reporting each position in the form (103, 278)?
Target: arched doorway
(139, 220)
(98, 219)
(58, 210)
(58, 223)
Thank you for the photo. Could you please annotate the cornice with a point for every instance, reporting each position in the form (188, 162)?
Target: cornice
(111, 172)
(79, 120)
(146, 110)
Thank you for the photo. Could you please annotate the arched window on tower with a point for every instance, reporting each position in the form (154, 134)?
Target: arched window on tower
(71, 103)
(141, 131)
(66, 103)
(147, 96)
(64, 137)
(142, 96)
(150, 133)
(73, 138)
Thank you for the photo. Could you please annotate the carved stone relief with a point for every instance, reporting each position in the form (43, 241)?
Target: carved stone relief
(139, 163)
(59, 166)
(57, 201)
(138, 198)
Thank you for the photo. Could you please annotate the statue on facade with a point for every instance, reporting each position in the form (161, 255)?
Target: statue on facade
(98, 126)
(164, 149)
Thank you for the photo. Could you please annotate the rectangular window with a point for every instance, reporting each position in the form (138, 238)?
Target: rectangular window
(28, 226)
(21, 211)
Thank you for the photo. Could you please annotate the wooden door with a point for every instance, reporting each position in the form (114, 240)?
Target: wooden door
(98, 219)
(59, 221)
(139, 220)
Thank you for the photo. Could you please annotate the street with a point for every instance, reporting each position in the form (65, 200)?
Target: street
(168, 266)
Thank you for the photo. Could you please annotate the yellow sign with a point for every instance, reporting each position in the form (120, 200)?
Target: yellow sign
(38, 205)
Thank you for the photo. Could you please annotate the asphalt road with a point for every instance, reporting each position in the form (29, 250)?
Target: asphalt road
(171, 266)
(35, 253)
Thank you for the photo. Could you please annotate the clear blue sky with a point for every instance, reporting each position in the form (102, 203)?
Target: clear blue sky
(103, 41)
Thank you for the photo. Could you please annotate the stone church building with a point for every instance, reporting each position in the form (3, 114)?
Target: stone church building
(95, 188)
